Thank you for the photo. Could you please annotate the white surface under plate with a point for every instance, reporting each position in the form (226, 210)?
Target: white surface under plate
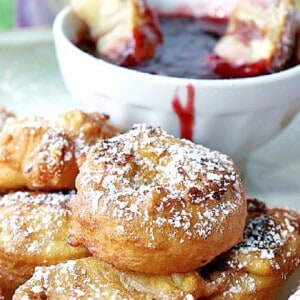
(30, 83)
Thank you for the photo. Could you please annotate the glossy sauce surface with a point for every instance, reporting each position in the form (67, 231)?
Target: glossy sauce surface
(186, 44)
(187, 47)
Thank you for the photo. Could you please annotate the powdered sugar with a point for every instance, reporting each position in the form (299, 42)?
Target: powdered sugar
(264, 236)
(238, 287)
(93, 279)
(53, 151)
(44, 149)
(29, 220)
(146, 172)
(268, 254)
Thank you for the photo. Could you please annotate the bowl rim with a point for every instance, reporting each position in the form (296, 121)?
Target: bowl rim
(66, 12)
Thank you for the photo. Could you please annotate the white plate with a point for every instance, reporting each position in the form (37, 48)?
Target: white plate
(30, 83)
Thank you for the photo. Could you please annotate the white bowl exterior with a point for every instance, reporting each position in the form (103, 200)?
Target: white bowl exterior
(234, 116)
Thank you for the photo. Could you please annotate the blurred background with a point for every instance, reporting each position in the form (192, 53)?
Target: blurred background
(28, 13)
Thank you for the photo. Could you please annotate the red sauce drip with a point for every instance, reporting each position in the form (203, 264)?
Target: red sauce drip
(185, 114)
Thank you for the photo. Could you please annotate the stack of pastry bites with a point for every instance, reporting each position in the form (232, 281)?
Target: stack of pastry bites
(90, 213)
(39, 161)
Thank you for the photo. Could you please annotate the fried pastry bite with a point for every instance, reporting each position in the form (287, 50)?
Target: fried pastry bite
(151, 203)
(126, 32)
(260, 39)
(91, 278)
(258, 267)
(85, 128)
(41, 154)
(35, 155)
(33, 232)
(255, 269)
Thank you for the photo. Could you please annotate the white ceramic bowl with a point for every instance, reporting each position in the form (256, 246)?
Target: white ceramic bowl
(234, 116)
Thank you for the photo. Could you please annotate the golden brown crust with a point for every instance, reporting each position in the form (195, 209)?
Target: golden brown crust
(253, 270)
(91, 278)
(155, 204)
(36, 156)
(33, 231)
(85, 128)
(258, 267)
(40, 154)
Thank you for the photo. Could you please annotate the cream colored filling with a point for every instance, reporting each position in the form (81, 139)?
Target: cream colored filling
(110, 22)
(270, 20)
(268, 17)
(238, 53)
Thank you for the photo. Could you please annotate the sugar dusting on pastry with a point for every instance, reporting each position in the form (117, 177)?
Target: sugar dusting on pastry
(29, 214)
(145, 182)
(142, 164)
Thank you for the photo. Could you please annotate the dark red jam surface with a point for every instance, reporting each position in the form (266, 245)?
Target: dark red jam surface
(186, 44)
(187, 50)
